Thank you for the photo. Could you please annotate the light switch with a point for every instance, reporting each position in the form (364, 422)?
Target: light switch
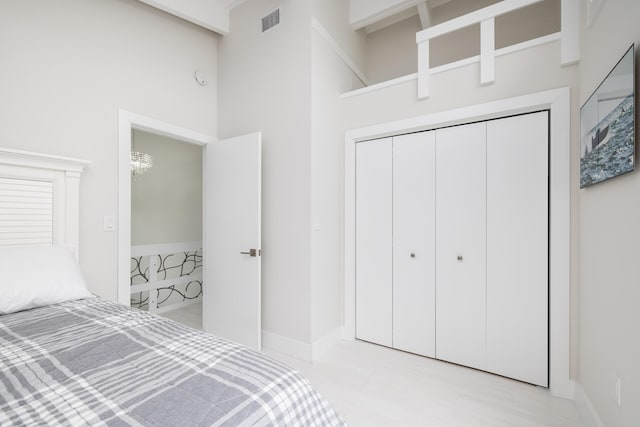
(109, 224)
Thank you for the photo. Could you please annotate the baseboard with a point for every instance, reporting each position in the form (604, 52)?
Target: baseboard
(587, 412)
(565, 389)
(322, 345)
(300, 349)
(285, 345)
(347, 334)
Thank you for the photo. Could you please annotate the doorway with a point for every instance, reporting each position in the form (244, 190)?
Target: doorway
(231, 225)
(166, 228)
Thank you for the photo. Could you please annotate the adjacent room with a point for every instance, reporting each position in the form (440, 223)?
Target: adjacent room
(319, 213)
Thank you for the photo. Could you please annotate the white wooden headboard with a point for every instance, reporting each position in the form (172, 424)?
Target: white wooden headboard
(39, 198)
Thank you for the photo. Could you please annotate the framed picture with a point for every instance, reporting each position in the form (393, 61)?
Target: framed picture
(607, 125)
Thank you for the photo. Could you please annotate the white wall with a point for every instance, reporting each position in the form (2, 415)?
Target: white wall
(329, 77)
(392, 51)
(69, 65)
(166, 201)
(334, 17)
(609, 341)
(265, 85)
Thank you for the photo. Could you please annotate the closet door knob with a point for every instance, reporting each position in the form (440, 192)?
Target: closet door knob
(413, 255)
(460, 259)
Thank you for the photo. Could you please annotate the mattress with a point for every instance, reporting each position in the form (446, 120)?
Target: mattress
(94, 362)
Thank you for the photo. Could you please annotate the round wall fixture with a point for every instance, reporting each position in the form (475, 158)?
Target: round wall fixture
(201, 77)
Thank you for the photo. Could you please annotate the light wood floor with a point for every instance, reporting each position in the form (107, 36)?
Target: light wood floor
(375, 386)
(190, 316)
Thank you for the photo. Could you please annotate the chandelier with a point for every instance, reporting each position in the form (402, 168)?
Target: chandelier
(140, 162)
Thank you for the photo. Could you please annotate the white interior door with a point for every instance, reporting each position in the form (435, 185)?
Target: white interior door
(414, 188)
(374, 241)
(232, 253)
(461, 244)
(517, 247)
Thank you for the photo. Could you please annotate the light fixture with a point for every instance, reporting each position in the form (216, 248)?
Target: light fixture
(140, 162)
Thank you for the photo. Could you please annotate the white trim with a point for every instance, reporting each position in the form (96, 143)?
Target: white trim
(383, 14)
(528, 44)
(222, 13)
(472, 18)
(386, 22)
(424, 68)
(487, 51)
(128, 121)
(64, 173)
(165, 248)
(299, 349)
(29, 159)
(453, 65)
(570, 29)
(425, 15)
(588, 414)
(344, 56)
(285, 345)
(378, 86)
(558, 102)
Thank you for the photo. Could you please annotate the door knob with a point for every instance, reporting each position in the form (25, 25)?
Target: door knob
(460, 259)
(252, 252)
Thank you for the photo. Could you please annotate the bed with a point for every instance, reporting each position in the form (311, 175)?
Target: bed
(94, 362)
(69, 358)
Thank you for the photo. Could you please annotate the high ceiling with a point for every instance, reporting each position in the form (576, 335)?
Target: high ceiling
(431, 12)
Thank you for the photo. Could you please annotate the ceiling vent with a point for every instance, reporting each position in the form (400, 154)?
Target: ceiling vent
(271, 20)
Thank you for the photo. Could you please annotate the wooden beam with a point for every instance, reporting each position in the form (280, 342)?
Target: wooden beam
(425, 15)
(464, 21)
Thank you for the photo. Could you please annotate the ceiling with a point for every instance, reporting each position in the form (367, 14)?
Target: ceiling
(431, 12)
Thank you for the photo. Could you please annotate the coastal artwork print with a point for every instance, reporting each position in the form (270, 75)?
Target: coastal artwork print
(607, 126)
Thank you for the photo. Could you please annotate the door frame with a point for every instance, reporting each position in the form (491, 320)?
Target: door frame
(558, 102)
(127, 122)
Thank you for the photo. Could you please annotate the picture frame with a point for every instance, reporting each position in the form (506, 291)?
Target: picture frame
(607, 125)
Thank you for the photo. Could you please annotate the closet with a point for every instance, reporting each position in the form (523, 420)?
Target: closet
(452, 244)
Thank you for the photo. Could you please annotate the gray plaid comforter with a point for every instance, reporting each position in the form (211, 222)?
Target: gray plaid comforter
(93, 362)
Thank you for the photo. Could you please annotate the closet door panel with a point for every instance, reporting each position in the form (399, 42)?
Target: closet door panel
(461, 244)
(414, 243)
(374, 241)
(517, 247)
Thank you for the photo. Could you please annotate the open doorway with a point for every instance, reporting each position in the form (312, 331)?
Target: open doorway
(231, 234)
(166, 227)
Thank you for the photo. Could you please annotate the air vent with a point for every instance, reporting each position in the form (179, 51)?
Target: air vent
(271, 20)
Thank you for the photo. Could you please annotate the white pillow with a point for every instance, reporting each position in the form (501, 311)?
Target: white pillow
(33, 276)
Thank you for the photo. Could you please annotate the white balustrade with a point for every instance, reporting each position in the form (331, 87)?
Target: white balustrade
(486, 18)
(153, 253)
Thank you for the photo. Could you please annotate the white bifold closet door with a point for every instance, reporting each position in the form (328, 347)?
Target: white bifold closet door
(374, 252)
(461, 245)
(517, 247)
(414, 243)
